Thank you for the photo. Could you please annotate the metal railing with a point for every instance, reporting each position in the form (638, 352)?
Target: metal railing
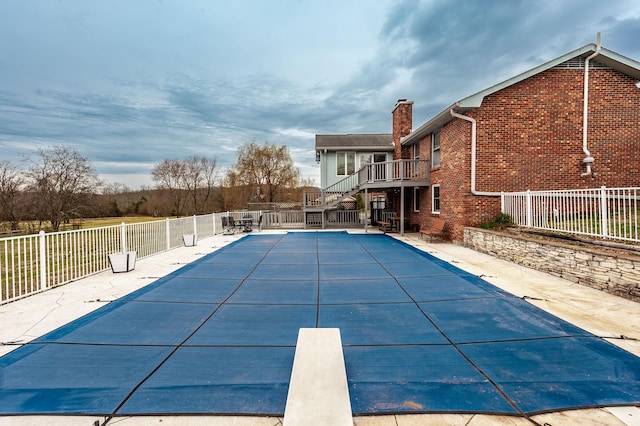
(612, 213)
(33, 263)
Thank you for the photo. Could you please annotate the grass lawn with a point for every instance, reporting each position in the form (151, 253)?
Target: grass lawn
(108, 221)
(83, 223)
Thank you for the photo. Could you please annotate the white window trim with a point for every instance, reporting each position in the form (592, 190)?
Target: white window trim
(416, 199)
(346, 162)
(433, 193)
(433, 138)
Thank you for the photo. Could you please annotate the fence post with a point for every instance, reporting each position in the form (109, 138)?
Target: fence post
(167, 231)
(213, 218)
(529, 210)
(502, 202)
(195, 227)
(123, 237)
(604, 212)
(43, 261)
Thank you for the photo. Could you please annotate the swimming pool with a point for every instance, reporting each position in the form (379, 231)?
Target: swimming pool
(218, 337)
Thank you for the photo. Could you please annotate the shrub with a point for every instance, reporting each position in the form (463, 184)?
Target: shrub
(500, 222)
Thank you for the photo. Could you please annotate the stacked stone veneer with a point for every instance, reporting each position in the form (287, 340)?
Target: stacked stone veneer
(615, 274)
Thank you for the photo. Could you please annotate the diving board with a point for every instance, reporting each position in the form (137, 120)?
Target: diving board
(318, 391)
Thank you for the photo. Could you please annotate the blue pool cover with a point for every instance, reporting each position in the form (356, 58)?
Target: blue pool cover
(218, 337)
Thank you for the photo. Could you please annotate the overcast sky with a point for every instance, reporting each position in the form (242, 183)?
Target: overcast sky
(129, 83)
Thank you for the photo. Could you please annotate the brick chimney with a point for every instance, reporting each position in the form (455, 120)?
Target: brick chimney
(402, 121)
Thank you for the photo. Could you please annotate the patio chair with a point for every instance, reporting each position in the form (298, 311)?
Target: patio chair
(226, 225)
(234, 225)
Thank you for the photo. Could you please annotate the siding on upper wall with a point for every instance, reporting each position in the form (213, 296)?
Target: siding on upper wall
(331, 177)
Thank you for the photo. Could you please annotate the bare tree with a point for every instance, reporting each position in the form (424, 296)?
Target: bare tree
(118, 200)
(12, 183)
(61, 180)
(268, 169)
(235, 193)
(200, 174)
(169, 177)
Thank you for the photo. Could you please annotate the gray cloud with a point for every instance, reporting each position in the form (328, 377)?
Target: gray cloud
(129, 84)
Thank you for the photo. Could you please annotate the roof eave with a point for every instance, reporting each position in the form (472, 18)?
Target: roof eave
(606, 57)
(355, 148)
(436, 122)
(619, 62)
(475, 100)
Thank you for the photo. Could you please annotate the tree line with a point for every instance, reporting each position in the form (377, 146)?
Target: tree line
(58, 185)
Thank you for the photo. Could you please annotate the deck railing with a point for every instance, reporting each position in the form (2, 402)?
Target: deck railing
(283, 219)
(388, 171)
(612, 213)
(396, 170)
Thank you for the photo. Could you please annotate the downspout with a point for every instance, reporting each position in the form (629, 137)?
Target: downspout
(473, 156)
(588, 159)
(324, 164)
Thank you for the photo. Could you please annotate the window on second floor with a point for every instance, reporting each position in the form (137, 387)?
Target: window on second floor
(346, 162)
(435, 148)
(416, 151)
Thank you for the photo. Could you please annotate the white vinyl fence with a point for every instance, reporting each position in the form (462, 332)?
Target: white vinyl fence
(612, 213)
(33, 263)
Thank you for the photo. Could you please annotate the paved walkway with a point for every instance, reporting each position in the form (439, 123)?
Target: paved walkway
(608, 316)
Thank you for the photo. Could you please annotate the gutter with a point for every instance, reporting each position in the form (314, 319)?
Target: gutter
(473, 156)
(588, 159)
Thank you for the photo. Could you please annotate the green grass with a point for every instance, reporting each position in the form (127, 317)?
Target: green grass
(30, 228)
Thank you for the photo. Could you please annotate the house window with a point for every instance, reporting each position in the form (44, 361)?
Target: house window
(416, 199)
(346, 163)
(416, 151)
(379, 157)
(435, 149)
(435, 199)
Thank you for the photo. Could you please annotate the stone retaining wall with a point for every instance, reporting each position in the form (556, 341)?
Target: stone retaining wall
(617, 274)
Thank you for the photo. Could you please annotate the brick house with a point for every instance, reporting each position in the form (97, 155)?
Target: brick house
(524, 133)
(527, 133)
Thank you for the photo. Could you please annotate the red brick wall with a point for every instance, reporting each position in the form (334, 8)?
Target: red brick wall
(529, 136)
(402, 117)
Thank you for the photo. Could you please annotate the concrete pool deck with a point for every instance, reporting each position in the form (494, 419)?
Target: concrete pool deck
(604, 315)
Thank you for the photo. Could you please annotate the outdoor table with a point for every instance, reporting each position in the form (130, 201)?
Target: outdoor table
(395, 222)
(246, 223)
